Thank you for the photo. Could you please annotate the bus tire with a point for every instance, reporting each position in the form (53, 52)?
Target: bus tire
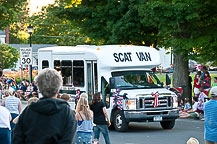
(120, 122)
(167, 124)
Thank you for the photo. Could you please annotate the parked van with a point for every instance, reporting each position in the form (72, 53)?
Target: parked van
(112, 68)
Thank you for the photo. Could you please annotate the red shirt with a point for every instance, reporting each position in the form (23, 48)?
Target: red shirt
(195, 83)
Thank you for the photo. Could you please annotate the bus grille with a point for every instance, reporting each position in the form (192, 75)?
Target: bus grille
(148, 102)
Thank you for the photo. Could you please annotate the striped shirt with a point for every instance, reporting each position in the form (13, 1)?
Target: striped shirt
(12, 104)
(210, 114)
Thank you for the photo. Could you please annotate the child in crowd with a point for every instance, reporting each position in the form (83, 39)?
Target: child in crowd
(197, 84)
(65, 97)
(187, 106)
(214, 82)
(193, 112)
(33, 99)
(201, 97)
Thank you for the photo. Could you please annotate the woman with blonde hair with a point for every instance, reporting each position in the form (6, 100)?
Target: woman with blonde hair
(84, 117)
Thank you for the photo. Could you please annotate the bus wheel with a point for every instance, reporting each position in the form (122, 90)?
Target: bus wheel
(167, 124)
(120, 122)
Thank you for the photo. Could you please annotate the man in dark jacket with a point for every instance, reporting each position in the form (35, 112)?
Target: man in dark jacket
(48, 121)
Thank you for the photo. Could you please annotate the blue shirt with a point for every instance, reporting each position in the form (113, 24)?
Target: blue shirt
(210, 114)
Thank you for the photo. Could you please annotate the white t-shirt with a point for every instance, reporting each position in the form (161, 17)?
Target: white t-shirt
(5, 117)
(195, 106)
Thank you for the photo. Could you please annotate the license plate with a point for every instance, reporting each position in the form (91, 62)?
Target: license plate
(157, 118)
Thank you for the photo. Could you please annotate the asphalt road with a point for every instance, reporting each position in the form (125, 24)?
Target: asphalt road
(152, 133)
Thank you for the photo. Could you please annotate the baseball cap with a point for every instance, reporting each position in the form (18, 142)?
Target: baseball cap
(213, 91)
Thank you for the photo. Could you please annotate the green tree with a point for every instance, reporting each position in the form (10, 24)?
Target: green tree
(188, 27)
(8, 11)
(18, 33)
(110, 21)
(49, 29)
(8, 56)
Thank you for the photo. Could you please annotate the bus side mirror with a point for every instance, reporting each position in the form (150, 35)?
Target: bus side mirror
(112, 83)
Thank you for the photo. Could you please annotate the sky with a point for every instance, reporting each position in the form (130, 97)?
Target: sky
(36, 5)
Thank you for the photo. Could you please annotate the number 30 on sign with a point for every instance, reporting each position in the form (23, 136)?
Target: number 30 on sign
(26, 56)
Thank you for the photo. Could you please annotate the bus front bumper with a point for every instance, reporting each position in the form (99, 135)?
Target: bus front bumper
(151, 116)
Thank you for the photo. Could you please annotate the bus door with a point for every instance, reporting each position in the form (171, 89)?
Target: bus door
(92, 78)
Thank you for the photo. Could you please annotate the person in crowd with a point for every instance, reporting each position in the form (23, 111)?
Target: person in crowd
(21, 91)
(33, 99)
(100, 116)
(204, 70)
(5, 94)
(201, 102)
(187, 106)
(13, 104)
(0, 90)
(210, 115)
(35, 94)
(34, 87)
(50, 120)
(214, 82)
(197, 85)
(193, 112)
(65, 97)
(207, 83)
(84, 117)
(28, 92)
(5, 128)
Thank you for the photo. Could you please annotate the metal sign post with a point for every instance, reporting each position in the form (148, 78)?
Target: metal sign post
(26, 57)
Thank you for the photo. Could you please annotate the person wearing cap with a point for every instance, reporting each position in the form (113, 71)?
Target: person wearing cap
(210, 115)
(49, 120)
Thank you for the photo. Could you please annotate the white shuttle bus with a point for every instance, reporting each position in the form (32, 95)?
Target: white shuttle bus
(105, 69)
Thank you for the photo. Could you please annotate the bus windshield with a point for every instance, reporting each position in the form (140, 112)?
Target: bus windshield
(136, 80)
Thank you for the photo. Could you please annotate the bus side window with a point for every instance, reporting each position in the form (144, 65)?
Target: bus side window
(78, 73)
(45, 64)
(105, 92)
(66, 70)
(57, 66)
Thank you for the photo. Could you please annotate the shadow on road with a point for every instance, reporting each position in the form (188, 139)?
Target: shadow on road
(144, 127)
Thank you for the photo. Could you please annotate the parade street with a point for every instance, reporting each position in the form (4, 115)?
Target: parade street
(152, 133)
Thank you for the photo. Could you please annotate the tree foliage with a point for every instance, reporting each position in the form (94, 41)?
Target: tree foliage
(49, 29)
(189, 26)
(8, 11)
(110, 21)
(18, 29)
(8, 56)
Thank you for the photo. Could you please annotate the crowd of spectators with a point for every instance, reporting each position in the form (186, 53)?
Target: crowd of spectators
(201, 87)
(23, 90)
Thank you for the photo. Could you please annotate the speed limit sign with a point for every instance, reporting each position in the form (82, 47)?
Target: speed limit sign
(26, 56)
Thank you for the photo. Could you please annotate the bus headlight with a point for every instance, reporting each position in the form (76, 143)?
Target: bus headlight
(131, 104)
(175, 101)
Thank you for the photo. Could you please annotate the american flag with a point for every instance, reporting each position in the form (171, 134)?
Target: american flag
(156, 99)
